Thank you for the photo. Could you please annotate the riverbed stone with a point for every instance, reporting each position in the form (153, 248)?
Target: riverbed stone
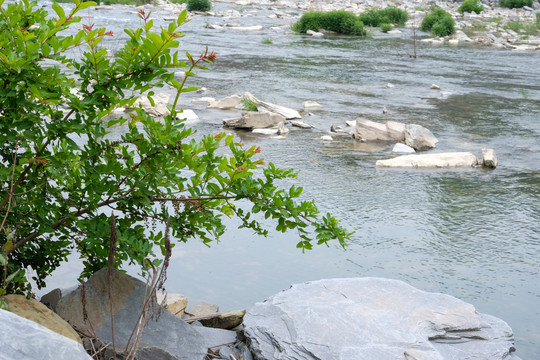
(175, 303)
(168, 332)
(419, 138)
(372, 318)
(489, 158)
(229, 102)
(367, 130)
(402, 148)
(431, 161)
(159, 109)
(25, 339)
(286, 112)
(255, 120)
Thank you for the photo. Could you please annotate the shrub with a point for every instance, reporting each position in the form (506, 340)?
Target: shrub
(389, 15)
(386, 28)
(342, 22)
(513, 4)
(397, 16)
(199, 5)
(66, 187)
(470, 6)
(439, 22)
(308, 21)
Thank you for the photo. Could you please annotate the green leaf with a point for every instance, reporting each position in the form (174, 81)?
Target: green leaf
(58, 10)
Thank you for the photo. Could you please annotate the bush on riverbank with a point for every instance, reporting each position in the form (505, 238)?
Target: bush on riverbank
(199, 5)
(470, 6)
(514, 4)
(389, 15)
(439, 22)
(342, 22)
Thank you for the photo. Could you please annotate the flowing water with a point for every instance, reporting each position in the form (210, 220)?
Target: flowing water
(470, 233)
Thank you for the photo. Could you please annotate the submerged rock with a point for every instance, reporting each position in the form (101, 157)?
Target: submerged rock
(372, 318)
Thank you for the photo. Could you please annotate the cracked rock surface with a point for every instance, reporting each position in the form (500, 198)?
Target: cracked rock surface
(372, 318)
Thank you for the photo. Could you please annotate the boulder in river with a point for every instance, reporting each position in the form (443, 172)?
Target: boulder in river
(419, 138)
(372, 318)
(431, 161)
(286, 112)
(255, 120)
(367, 130)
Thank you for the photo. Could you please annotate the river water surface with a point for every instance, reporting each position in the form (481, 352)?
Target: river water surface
(470, 233)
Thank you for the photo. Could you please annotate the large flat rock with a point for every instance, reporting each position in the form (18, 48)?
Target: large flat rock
(372, 318)
(433, 161)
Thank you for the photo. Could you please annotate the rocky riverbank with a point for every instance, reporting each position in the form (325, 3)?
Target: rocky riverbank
(495, 26)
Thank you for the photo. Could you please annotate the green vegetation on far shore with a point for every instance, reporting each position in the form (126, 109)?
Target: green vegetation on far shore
(345, 22)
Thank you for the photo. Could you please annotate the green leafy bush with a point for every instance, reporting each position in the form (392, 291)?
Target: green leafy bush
(389, 15)
(310, 20)
(66, 187)
(470, 6)
(199, 5)
(386, 28)
(514, 4)
(439, 22)
(342, 22)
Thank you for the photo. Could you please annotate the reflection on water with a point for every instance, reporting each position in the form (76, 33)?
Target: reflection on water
(471, 233)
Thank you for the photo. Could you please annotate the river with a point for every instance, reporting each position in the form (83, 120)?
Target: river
(470, 233)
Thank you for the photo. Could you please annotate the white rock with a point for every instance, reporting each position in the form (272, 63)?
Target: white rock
(187, 114)
(301, 124)
(453, 42)
(367, 130)
(159, 109)
(402, 148)
(489, 158)
(255, 120)
(282, 130)
(395, 31)
(229, 102)
(208, 100)
(311, 104)
(435, 87)
(326, 138)
(390, 85)
(419, 138)
(273, 108)
(426, 161)
(265, 131)
(215, 27)
(350, 123)
(248, 28)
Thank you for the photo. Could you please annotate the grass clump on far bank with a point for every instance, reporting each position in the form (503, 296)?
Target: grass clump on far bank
(340, 21)
(523, 28)
(514, 4)
(470, 6)
(439, 22)
(199, 5)
(389, 15)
